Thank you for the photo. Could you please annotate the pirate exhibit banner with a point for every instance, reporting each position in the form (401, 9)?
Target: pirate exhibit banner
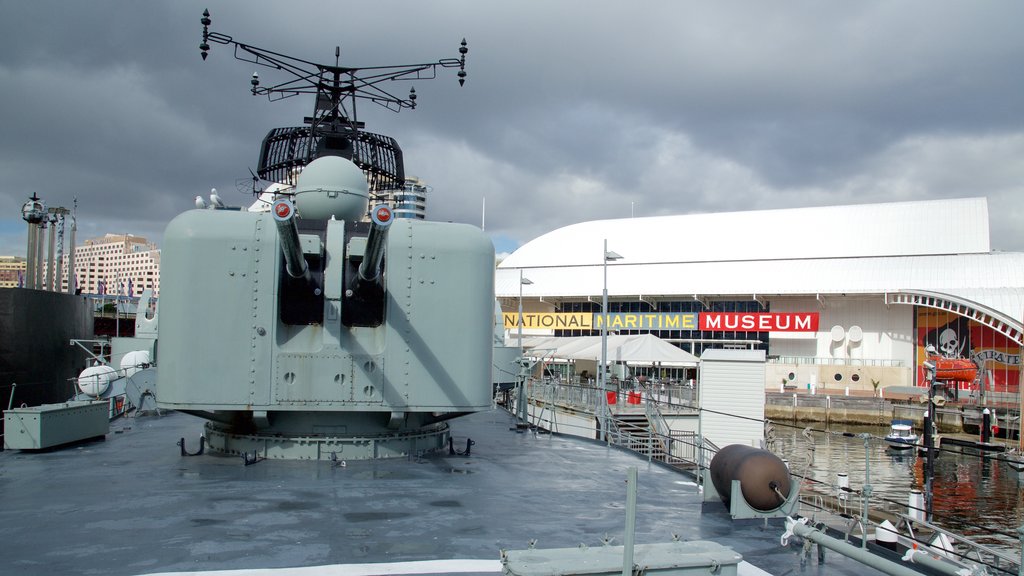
(954, 336)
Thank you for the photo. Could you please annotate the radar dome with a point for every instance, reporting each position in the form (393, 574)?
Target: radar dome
(331, 186)
(94, 380)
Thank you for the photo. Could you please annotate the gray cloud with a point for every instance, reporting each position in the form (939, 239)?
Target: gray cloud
(573, 110)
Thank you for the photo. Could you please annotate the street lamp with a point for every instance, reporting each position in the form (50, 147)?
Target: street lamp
(521, 399)
(929, 438)
(606, 256)
(522, 282)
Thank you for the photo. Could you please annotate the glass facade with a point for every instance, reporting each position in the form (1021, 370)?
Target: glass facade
(693, 341)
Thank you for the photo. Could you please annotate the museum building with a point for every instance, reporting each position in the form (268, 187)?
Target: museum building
(837, 296)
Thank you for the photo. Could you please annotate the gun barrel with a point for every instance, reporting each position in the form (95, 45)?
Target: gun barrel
(369, 268)
(288, 231)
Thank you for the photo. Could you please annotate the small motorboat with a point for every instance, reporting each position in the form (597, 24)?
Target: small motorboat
(1014, 459)
(901, 435)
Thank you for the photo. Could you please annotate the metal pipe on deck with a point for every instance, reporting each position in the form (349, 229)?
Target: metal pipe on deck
(369, 268)
(627, 549)
(799, 528)
(288, 232)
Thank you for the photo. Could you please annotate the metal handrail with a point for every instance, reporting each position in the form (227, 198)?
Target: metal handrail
(979, 551)
(689, 450)
(679, 451)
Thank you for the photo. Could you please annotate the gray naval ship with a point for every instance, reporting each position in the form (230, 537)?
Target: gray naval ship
(322, 404)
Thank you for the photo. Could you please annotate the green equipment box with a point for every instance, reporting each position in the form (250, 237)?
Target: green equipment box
(39, 427)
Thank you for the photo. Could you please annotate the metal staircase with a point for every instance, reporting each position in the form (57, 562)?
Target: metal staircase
(635, 432)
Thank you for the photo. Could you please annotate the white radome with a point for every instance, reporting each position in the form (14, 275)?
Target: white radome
(95, 380)
(134, 361)
(331, 186)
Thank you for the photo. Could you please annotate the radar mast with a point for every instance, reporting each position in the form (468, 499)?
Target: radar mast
(334, 128)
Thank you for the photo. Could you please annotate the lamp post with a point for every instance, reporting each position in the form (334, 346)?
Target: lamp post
(522, 282)
(521, 398)
(606, 256)
(929, 438)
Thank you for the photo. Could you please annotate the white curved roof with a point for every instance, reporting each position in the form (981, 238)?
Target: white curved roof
(939, 246)
(957, 226)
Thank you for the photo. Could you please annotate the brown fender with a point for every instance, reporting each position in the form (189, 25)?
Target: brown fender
(760, 473)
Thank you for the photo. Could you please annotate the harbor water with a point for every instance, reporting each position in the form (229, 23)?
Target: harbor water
(980, 497)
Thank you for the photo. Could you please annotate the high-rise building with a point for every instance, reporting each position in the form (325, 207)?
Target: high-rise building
(410, 201)
(116, 264)
(12, 270)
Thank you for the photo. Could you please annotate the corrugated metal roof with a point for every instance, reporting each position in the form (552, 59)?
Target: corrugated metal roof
(978, 273)
(994, 280)
(933, 227)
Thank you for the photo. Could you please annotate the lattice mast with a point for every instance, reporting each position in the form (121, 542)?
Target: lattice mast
(334, 128)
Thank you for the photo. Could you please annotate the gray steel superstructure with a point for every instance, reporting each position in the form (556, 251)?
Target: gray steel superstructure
(246, 345)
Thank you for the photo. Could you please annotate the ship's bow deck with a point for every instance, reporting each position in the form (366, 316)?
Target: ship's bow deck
(133, 505)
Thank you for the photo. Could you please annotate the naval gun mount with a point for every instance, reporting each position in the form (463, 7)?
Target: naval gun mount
(303, 333)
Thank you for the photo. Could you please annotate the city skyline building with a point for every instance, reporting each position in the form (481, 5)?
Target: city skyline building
(12, 271)
(115, 264)
(411, 200)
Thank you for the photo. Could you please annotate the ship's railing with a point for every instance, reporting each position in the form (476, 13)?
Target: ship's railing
(586, 394)
(972, 551)
(856, 512)
(656, 418)
(843, 509)
(604, 410)
(687, 451)
(670, 398)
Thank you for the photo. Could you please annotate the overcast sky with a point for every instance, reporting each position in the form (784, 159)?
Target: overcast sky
(572, 111)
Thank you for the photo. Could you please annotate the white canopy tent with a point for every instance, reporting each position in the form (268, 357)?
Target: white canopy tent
(632, 349)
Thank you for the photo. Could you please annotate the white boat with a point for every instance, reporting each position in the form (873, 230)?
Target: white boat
(901, 435)
(1014, 459)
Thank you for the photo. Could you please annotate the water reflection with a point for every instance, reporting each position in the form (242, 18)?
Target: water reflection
(976, 496)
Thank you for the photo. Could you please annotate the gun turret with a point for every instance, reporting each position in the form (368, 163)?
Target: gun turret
(364, 304)
(300, 293)
(320, 352)
(288, 231)
(369, 269)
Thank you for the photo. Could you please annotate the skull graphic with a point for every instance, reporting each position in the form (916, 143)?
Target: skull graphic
(949, 344)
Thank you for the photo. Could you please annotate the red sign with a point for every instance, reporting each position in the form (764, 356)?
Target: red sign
(282, 209)
(759, 322)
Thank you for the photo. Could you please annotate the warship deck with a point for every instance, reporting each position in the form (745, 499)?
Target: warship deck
(131, 504)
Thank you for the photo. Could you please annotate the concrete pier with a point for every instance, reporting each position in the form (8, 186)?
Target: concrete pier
(833, 406)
